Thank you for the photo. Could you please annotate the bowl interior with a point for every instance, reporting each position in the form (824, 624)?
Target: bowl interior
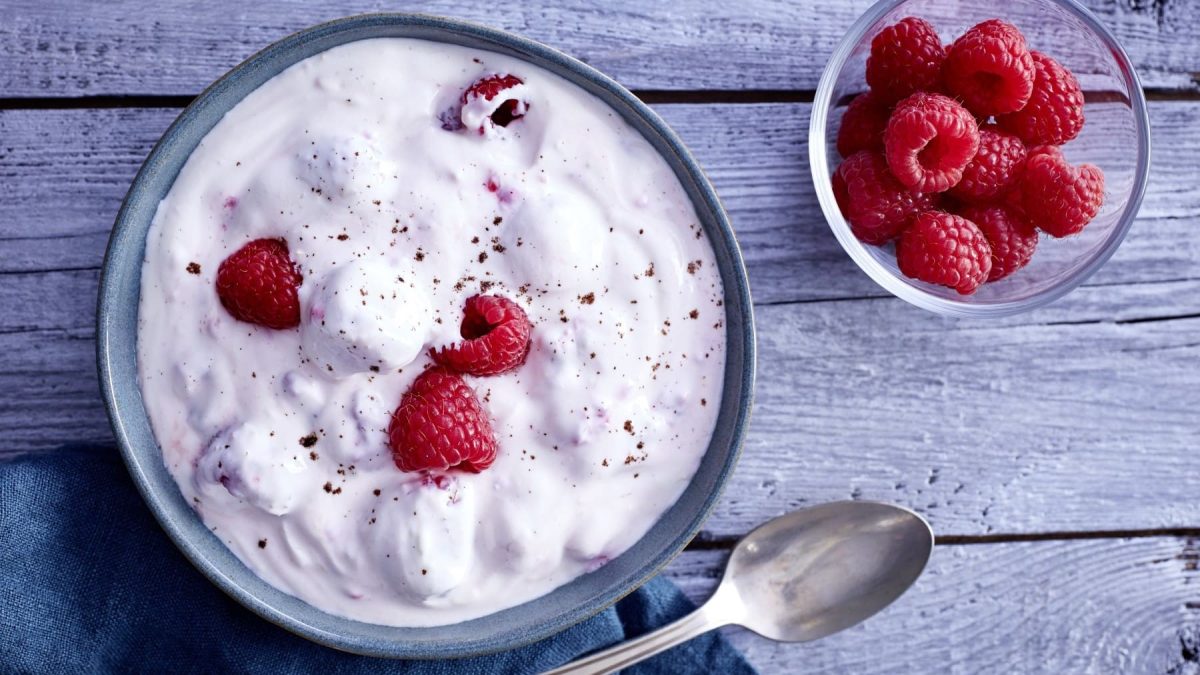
(1115, 137)
(117, 352)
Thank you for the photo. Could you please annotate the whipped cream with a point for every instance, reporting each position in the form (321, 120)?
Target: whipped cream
(398, 203)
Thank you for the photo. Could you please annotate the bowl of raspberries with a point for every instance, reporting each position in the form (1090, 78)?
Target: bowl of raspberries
(979, 159)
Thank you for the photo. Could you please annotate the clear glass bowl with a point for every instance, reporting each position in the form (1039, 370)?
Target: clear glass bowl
(1115, 137)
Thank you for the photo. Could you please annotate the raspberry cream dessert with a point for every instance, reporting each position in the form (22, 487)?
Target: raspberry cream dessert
(427, 332)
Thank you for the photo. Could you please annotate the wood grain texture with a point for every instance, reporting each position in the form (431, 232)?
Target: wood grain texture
(1022, 425)
(83, 160)
(1078, 417)
(1071, 418)
(55, 49)
(1090, 606)
(1058, 420)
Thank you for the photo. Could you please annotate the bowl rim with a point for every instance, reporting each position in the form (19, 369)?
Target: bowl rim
(713, 216)
(822, 179)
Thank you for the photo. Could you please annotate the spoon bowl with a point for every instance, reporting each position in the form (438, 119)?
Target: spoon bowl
(817, 571)
(799, 577)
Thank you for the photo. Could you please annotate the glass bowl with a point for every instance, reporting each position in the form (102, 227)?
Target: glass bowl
(1115, 137)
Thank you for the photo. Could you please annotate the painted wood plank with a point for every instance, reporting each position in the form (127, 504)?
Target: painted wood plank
(1084, 606)
(61, 49)
(81, 161)
(865, 398)
(1065, 419)
(1046, 423)
(51, 396)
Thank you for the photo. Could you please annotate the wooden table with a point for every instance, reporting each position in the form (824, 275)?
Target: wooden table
(1055, 453)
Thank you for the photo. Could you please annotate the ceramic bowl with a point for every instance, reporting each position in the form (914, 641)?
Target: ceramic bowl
(1115, 137)
(117, 319)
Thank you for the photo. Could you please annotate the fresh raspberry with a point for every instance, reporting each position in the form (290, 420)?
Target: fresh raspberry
(1058, 198)
(876, 204)
(906, 57)
(945, 249)
(990, 69)
(862, 125)
(492, 86)
(257, 284)
(1011, 238)
(441, 425)
(1054, 113)
(995, 168)
(929, 140)
(495, 334)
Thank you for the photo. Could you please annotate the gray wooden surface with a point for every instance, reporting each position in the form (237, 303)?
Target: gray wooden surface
(120, 47)
(1055, 453)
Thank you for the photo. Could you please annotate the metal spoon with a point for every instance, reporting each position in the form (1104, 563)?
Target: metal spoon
(799, 577)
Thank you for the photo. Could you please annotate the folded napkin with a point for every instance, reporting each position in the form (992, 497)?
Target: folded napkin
(88, 582)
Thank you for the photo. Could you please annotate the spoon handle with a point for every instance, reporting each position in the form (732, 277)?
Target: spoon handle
(628, 653)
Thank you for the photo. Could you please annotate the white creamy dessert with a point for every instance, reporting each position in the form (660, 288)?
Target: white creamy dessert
(384, 186)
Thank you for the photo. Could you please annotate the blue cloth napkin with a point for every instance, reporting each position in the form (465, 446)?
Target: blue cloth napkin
(89, 583)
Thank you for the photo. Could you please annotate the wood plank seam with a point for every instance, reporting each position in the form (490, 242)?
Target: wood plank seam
(707, 542)
(649, 96)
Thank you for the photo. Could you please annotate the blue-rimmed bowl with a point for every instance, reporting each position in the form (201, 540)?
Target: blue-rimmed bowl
(1115, 137)
(116, 332)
